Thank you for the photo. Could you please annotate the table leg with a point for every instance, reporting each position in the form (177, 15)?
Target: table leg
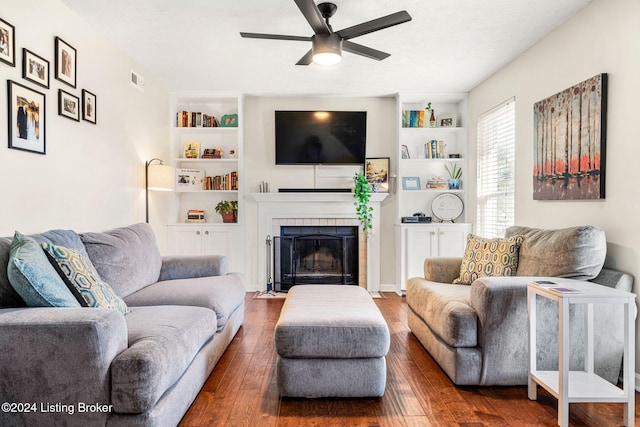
(531, 304)
(563, 361)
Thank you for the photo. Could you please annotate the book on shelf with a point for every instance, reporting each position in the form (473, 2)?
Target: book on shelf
(212, 153)
(193, 119)
(437, 183)
(195, 216)
(222, 182)
(434, 149)
(413, 119)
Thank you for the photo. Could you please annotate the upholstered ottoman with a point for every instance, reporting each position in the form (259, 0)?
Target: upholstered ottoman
(331, 341)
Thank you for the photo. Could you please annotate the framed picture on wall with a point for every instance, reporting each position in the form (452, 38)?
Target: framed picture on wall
(26, 118)
(7, 43)
(35, 68)
(89, 106)
(377, 174)
(66, 60)
(68, 105)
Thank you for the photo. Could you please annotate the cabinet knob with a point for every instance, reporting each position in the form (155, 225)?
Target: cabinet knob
(206, 232)
(197, 233)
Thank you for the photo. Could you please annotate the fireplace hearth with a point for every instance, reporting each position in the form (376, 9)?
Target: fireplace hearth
(305, 255)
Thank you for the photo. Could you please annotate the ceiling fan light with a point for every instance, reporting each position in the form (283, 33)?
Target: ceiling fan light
(327, 49)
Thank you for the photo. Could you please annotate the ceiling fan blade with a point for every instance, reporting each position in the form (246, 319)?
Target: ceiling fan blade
(306, 59)
(358, 49)
(274, 37)
(375, 25)
(313, 16)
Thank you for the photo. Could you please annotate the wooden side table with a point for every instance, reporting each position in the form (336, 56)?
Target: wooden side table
(581, 386)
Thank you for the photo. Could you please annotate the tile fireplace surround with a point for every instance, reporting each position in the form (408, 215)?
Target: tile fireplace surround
(319, 209)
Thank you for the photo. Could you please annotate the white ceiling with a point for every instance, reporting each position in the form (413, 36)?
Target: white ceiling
(450, 45)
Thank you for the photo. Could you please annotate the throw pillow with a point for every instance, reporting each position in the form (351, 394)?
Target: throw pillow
(489, 257)
(83, 280)
(34, 278)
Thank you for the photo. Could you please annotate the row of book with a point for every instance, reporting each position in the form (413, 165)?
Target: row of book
(221, 182)
(435, 149)
(195, 216)
(417, 119)
(196, 119)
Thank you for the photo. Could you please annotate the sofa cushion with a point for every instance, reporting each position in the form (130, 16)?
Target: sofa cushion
(222, 294)
(34, 278)
(127, 258)
(9, 298)
(446, 309)
(162, 343)
(82, 278)
(575, 252)
(489, 257)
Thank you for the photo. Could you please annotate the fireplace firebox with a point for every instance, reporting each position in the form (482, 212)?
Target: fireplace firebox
(306, 255)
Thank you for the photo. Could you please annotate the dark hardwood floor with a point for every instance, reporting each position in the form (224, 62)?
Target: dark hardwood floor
(241, 391)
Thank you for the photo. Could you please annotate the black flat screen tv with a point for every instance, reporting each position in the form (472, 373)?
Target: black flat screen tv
(320, 137)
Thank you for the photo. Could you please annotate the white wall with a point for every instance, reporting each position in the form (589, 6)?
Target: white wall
(92, 176)
(259, 145)
(602, 38)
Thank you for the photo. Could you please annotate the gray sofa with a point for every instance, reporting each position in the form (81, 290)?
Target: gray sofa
(478, 333)
(142, 368)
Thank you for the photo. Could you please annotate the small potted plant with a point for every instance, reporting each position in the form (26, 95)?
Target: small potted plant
(455, 173)
(228, 209)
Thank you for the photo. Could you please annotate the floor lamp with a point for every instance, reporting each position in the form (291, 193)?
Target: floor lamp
(157, 176)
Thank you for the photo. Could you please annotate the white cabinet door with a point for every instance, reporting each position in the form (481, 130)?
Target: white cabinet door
(421, 243)
(185, 241)
(453, 241)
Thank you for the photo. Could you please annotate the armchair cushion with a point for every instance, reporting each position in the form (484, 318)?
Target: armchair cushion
(34, 278)
(575, 252)
(489, 257)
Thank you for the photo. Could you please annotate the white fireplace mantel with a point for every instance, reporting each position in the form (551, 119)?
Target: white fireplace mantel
(308, 205)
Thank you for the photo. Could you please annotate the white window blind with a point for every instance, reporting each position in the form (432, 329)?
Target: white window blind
(496, 167)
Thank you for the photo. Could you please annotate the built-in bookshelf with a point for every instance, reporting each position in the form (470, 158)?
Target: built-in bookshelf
(207, 153)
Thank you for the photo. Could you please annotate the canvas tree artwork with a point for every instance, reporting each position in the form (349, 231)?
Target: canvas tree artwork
(569, 142)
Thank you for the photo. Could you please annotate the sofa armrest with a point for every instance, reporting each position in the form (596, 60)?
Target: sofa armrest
(442, 270)
(58, 355)
(503, 328)
(187, 267)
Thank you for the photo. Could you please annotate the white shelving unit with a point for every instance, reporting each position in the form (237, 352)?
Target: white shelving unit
(582, 386)
(214, 236)
(417, 241)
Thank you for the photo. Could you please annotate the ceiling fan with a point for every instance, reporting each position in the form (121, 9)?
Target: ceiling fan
(327, 45)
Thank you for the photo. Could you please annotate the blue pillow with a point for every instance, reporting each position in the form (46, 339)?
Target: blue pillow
(34, 278)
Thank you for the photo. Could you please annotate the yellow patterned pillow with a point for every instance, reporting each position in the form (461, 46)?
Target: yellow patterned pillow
(489, 257)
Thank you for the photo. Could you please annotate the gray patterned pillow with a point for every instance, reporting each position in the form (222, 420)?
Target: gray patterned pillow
(83, 280)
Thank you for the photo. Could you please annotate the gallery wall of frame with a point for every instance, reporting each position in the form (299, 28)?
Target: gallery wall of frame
(27, 117)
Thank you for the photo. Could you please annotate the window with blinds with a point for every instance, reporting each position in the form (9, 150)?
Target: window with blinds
(496, 170)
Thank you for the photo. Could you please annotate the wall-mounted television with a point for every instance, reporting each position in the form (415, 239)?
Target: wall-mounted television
(320, 137)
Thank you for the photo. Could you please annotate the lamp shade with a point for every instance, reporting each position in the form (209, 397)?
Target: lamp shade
(160, 178)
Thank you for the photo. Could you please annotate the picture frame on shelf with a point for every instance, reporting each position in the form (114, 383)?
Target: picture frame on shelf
(66, 60)
(191, 150)
(89, 107)
(68, 105)
(447, 121)
(411, 183)
(27, 118)
(377, 174)
(405, 152)
(229, 121)
(7, 43)
(35, 68)
(189, 179)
